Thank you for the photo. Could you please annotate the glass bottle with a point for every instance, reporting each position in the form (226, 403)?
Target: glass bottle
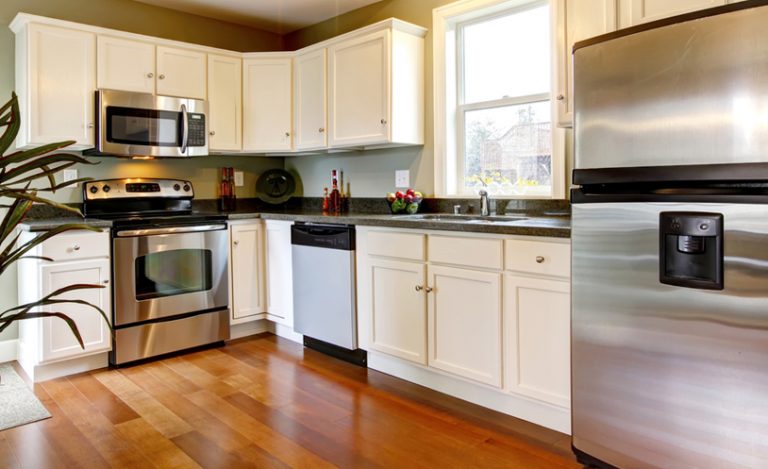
(335, 199)
(325, 200)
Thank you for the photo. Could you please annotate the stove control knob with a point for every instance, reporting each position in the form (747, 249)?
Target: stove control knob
(187, 188)
(176, 187)
(106, 188)
(94, 189)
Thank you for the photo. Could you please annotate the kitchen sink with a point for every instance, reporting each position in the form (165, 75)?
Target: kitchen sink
(447, 217)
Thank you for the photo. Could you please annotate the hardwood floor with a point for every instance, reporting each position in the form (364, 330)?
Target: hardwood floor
(267, 402)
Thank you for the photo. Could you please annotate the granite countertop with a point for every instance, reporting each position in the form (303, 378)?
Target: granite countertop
(533, 225)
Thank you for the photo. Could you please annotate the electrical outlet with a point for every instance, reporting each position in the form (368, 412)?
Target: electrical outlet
(239, 178)
(70, 175)
(402, 178)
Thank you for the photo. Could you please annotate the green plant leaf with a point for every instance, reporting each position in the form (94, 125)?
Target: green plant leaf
(22, 170)
(23, 194)
(7, 321)
(13, 256)
(24, 155)
(13, 217)
(13, 124)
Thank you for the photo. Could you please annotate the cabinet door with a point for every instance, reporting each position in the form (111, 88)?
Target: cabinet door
(310, 102)
(225, 103)
(537, 329)
(61, 73)
(181, 72)
(279, 272)
(267, 101)
(576, 20)
(58, 342)
(247, 263)
(634, 12)
(125, 65)
(358, 90)
(464, 323)
(398, 308)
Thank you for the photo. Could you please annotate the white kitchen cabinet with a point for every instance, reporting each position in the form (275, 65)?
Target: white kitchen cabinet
(576, 20)
(267, 98)
(537, 317)
(47, 347)
(310, 103)
(376, 87)
(247, 271)
(125, 64)
(55, 82)
(225, 103)
(464, 323)
(181, 72)
(279, 272)
(398, 308)
(634, 12)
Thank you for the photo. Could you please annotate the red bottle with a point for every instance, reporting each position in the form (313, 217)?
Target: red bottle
(325, 200)
(334, 204)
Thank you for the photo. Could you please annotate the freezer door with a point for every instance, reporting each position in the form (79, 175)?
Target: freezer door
(691, 93)
(669, 375)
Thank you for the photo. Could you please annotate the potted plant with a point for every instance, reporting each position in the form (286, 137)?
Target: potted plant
(21, 172)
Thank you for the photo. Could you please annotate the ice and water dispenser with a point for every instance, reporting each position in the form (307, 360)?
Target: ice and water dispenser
(691, 249)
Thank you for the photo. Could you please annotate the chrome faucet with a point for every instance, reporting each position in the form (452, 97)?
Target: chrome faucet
(485, 204)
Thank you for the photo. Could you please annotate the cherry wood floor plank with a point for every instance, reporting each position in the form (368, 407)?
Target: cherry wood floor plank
(154, 446)
(144, 404)
(33, 450)
(7, 459)
(108, 404)
(209, 455)
(96, 428)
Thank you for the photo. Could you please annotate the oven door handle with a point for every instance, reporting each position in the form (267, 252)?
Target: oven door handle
(184, 128)
(169, 230)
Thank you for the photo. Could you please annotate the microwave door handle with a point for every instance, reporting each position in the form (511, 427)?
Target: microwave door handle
(184, 128)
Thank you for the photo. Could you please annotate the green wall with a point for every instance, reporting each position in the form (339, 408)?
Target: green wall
(135, 17)
(372, 173)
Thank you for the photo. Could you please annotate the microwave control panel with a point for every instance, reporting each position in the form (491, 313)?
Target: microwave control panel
(196, 130)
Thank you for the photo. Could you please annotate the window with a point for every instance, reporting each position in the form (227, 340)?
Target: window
(494, 126)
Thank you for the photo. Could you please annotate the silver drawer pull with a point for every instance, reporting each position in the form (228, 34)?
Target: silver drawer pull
(419, 288)
(321, 130)
(76, 247)
(540, 259)
(162, 77)
(105, 282)
(150, 75)
(560, 97)
(170, 230)
(235, 242)
(428, 289)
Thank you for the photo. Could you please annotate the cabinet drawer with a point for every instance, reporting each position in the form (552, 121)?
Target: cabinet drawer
(76, 245)
(396, 244)
(473, 252)
(538, 257)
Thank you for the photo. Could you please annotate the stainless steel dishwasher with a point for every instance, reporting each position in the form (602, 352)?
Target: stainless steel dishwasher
(324, 302)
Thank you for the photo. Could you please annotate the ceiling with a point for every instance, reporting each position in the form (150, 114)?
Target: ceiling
(278, 16)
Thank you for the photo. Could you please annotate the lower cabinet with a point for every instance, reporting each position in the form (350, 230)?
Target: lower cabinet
(48, 348)
(248, 301)
(538, 337)
(398, 309)
(279, 272)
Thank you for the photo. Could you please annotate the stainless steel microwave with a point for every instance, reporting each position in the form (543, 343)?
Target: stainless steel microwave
(145, 125)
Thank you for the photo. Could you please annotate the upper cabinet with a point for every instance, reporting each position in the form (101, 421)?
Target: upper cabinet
(576, 20)
(181, 72)
(310, 103)
(634, 12)
(267, 103)
(125, 64)
(376, 87)
(55, 82)
(225, 103)
(130, 65)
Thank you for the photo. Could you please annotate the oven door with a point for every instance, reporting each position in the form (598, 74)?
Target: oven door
(138, 124)
(167, 272)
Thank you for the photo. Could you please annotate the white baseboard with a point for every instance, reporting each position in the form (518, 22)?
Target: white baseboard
(285, 332)
(9, 350)
(540, 413)
(38, 373)
(238, 331)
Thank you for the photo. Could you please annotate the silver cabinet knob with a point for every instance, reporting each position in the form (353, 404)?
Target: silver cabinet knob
(287, 134)
(321, 130)
(384, 121)
(540, 259)
(419, 288)
(105, 282)
(560, 97)
(90, 126)
(76, 247)
(235, 242)
(212, 133)
(150, 75)
(161, 76)
(428, 289)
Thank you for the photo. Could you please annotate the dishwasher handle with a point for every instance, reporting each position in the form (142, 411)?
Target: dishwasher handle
(340, 237)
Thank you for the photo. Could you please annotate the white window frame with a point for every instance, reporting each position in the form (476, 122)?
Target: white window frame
(449, 114)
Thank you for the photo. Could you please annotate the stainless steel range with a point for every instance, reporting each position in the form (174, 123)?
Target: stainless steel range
(170, 266)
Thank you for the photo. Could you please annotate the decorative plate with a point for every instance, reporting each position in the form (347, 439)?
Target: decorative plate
(275, 186)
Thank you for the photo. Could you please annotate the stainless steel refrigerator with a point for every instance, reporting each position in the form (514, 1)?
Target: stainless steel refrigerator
(670, 243)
